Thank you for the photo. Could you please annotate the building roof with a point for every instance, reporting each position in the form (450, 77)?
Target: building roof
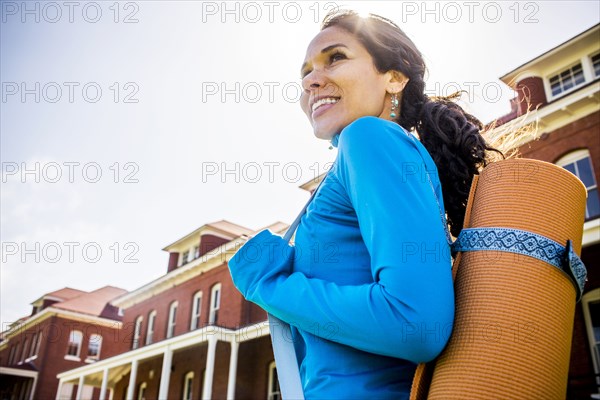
(92, 303)
(509, 77)
(63, 294)
(276, 227)
(222, 227)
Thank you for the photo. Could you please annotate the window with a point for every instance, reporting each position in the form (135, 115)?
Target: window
(196, 310)
(34, 343)
(274, 392)
(172, 319)
(579, 163)
(17, 352)
(567, 80)
(142, 391)
(74, 346)
(137, 332)
(11, 356)
(196, 251)
(596, 64)
(188, 382)
(590, 302)
(151, 322)
(215, 304)
(38, 344)
(25, 349)
(94, 345)
(184, 257)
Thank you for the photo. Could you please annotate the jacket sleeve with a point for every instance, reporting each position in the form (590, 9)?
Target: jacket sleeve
(408, 309)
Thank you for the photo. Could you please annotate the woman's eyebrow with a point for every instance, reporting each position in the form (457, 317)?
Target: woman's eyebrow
(324, 50)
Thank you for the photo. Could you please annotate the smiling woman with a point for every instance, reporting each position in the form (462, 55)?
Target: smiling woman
(367, 287)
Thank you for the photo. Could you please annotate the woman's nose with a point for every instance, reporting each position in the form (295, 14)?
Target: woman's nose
(313, 80)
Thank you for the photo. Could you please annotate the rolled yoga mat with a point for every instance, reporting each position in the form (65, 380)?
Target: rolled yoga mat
(514, 312)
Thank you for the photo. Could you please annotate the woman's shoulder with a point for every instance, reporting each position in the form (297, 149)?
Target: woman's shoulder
(373, 133)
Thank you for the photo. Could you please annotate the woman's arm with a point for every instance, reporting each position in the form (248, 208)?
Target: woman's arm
(408, 310)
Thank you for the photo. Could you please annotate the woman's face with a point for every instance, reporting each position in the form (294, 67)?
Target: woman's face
(341, 83)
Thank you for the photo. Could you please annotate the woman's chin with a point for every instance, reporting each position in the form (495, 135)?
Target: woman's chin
(325, 133)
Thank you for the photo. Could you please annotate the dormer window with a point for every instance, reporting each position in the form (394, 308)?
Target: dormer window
(567, 79)
(196, 251)
(596, 64)
(184, 258)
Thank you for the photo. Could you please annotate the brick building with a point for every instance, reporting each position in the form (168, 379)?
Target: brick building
(562, 88)
(190, 334)
(67, 328)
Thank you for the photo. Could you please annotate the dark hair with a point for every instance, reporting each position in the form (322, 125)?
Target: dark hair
(451, 136)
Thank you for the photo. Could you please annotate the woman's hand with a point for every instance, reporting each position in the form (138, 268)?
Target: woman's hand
(263, 257)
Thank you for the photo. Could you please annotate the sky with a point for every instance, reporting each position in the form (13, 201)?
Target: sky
(126, 125)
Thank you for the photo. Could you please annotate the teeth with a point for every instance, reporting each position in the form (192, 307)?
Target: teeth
(326, 100)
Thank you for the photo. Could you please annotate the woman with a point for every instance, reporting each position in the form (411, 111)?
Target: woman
(367, 288)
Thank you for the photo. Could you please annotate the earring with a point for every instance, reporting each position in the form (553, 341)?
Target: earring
(393, 111)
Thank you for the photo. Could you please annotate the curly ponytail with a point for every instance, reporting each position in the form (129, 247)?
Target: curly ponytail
(451, 136)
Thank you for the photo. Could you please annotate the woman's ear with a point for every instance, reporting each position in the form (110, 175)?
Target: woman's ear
(397, 81)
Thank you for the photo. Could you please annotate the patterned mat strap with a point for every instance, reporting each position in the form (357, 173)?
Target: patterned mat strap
(528, 244)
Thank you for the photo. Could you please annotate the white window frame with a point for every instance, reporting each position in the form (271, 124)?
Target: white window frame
(196, 252)
(151, 325)
(573, 157)
(184, 258)
(215, 304)
(592, 65)
(93, 339)
(72, 335)
(24, 350)
(34, 342)
(196, 310)
(273, 394)
(142, 391)
(172, 321)
(38, 344)
(13, 350)
(188, 386)
(552, 96)
(137, 332)
(588, 75)
(592, 296)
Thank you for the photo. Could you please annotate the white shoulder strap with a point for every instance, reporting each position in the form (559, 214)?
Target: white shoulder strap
(281, 336)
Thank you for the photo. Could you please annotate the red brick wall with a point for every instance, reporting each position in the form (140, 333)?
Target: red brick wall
(253, 368)
(51, 355)
(233, 313)
(531, 93)
(583, 133)
(210, 242)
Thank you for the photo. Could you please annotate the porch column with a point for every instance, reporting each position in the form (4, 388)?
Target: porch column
(104, 384)
(80, 388)
(33, 385)
(233, 358)
(210, 368)
(165, 374)
(60, 384)
(132, 379)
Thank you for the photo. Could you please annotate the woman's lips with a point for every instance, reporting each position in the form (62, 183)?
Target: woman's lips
(322, 109)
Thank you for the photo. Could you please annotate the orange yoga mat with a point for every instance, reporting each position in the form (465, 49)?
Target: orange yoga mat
(514, 313)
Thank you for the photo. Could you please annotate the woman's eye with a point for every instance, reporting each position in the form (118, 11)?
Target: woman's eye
(337, 57)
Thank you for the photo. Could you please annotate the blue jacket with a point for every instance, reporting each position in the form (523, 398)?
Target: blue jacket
(367, 285)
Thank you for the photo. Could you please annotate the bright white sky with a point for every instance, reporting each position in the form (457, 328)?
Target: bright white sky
(215, 89)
